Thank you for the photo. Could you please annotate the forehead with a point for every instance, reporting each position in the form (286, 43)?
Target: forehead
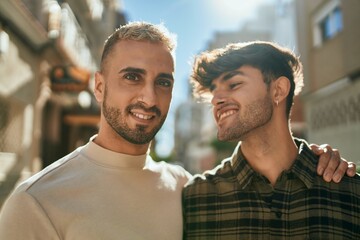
(244, 72)
(142, 54)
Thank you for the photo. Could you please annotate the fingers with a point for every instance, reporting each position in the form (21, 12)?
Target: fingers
(334, 164)
(340, 171)
(351, 170)
(325, 155)
(314, 147)
(331, 166)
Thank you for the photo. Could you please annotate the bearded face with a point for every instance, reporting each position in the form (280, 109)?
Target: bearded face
(140, 134)
(252, 116)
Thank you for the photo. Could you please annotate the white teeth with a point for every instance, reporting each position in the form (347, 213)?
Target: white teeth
(142, 116)
(225, 114)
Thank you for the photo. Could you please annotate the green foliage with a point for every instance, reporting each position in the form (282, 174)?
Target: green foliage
(223, 146)
(223, 149)
(157, 158)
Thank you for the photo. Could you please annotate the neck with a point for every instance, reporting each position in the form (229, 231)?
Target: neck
(270, 152)
(112, 141)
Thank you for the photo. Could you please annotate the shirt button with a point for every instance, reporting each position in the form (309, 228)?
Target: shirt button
(278, 214)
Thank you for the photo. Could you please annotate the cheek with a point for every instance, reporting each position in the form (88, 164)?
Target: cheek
(165, 101)
(119, 99)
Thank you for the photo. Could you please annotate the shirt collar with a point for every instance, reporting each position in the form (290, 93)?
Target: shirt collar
(242, 170)
(304, 166)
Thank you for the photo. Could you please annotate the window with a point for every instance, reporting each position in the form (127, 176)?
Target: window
(327, 22)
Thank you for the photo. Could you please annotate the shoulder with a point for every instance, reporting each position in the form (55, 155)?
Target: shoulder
(23, 217)
(174, 170)
(347, 185)
(220, 174)
(177, 170)
(50, 173)
(354, 182)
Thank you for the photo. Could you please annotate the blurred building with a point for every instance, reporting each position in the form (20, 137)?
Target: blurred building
(194, 130)
(329, 44)
(49, 51)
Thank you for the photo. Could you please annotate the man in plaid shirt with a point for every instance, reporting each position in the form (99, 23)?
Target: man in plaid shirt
(269, 188)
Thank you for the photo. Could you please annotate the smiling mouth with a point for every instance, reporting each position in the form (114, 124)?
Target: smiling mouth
(225, 114)
(143, 116)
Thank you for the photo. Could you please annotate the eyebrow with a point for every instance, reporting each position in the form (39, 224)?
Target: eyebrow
(132, 69)
(166, 75)
(143, 71)
(232, 74)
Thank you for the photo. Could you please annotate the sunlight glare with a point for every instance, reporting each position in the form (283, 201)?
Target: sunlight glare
(235, 10)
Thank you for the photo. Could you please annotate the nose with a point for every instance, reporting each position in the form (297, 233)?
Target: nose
(218, 98)
(148, 95)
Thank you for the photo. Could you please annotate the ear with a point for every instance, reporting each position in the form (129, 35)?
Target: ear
(99, 88)
(281, 89)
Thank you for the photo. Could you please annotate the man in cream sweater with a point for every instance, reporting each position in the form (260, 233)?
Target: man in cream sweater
(110, 188)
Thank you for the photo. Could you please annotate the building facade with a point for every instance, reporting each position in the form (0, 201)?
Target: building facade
(330, 50)
(49, 51)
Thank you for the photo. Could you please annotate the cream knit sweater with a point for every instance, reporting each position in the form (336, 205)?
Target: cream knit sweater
(94, 193)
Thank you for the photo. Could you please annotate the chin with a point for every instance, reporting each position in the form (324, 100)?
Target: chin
(221, 137)
(228, 137)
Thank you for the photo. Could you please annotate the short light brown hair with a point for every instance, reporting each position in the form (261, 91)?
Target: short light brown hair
(140, 31)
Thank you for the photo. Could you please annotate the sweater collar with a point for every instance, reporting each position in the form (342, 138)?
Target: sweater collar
(108, 158)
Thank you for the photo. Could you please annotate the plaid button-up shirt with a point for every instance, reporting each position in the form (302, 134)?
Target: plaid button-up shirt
(232, 201)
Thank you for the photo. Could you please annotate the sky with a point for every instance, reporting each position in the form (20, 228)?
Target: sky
(195, 23)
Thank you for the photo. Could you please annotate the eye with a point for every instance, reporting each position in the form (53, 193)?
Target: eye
(164, 82)
(212, 87)
(234, 85)
(132, 77)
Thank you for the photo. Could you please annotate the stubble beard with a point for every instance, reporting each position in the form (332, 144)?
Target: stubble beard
(116, 119)
(256, 115)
